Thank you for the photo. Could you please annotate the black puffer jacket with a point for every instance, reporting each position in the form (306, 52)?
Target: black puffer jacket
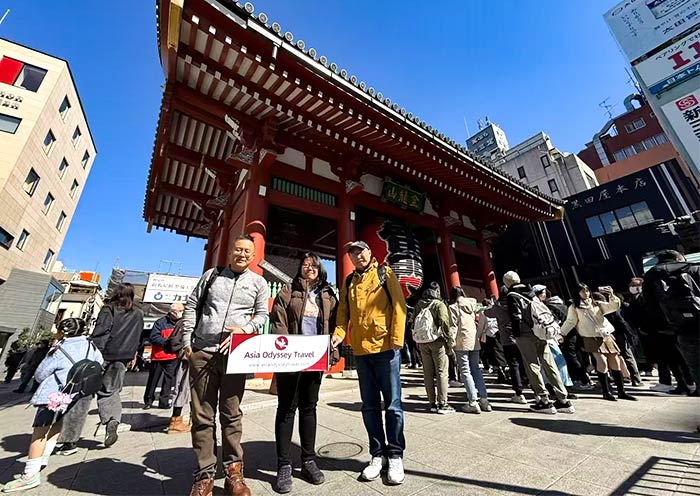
(118, 333)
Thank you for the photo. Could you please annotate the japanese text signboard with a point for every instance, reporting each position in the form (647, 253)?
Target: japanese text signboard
(168, 289)
(684, 116)
(642, 25)
(251, 353)
(672, 65)
(403, 197)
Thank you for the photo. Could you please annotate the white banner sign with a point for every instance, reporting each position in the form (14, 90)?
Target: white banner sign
(252, 353)
(642, 25)
(672, 65)
(684, 116)
(168, 289)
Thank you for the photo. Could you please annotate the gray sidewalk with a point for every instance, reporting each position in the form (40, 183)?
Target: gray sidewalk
(647, 447)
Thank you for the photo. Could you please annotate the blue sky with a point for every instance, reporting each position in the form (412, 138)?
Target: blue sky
(529, 65)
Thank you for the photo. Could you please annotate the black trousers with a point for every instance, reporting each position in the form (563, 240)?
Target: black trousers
(492, 353)
(296, 390)
(670, 356)
(11, 371)
(164, 369)
(413, 351)
(572, 355)
(515, 364)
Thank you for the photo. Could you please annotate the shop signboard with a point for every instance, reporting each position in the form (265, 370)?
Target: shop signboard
(163, 288)
(672, 65)
(639, 26)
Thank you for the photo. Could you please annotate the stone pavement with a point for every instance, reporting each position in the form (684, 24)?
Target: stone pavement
(644, 448)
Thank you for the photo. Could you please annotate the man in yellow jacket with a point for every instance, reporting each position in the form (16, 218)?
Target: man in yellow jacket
(374, 303)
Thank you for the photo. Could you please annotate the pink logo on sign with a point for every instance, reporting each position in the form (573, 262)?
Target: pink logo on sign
(281, 343)
(687, 102)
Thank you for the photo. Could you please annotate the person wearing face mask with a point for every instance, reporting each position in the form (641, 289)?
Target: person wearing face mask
(163, 364)
(307, 306)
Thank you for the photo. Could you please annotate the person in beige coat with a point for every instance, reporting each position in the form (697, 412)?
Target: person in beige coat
(467, 346)
(588, 317)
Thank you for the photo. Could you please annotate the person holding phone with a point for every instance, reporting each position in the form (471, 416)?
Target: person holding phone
(588, 317)
(307, 306)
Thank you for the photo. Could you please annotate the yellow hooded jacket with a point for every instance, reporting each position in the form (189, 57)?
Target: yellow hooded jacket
(377, 324)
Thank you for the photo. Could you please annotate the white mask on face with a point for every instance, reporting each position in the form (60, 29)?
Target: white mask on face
(635, 289)
(178, 315)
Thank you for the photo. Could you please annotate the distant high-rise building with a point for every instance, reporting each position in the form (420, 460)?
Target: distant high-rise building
(46, 153)
(489, 142)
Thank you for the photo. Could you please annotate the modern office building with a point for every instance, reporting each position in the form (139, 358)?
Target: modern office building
(538, 163)
(46, 153)
(490, 141)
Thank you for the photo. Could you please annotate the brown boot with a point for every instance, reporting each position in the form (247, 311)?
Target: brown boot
(203, 487)
(177, 426)
(235, 483)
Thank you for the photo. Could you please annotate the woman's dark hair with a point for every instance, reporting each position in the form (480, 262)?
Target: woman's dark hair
(72, 327)
(123, 296)
(547, 293)
(577, 294)
(322, 279)
(455, 293)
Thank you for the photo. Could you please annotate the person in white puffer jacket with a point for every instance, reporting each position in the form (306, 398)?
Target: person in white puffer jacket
(588, 317)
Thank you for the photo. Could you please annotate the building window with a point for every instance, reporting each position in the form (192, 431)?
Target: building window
(536, 188)
(48, 203)
(545, 161)
(48, 261)
(22, 240)
(76, 135)
(62, 168)
(31, 182)
(73, 188)
(61, 221)
(49, 142)
(595, 227)
(521, 173)
(64, 108)
(661, 139)
(20, 74)
(553, 188)
(642, 213)
(626, 218)
(610, 223)
(6, 239)
(634, 125)
(9, 124)
(86, 158)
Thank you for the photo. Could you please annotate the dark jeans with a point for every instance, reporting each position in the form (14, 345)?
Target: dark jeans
(413, 351)
(296, 390)
(515, 363)
(690, 349)
(11, 371)
(452, 368)
(492, 353)
(571, 352)
(213, 390)
(160, 369)
(109, 402)
(379, 377)
(669, 355)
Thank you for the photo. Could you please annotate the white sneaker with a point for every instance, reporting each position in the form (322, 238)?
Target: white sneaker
(454, 384)
(445, 409)
(661, 387)
(472, 407)
(374, 469)
(519, 399)
(395, 475)
(124, 427)
(485, 405)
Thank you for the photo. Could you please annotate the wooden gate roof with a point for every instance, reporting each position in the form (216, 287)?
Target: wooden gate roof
(222, 60)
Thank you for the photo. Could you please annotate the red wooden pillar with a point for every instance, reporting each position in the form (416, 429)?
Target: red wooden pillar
(208, 255)
(256, 212)
(490, 282)
(346, 235)
(448, 260)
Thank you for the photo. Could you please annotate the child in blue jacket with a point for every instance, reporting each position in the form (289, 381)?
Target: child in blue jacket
(51, 376)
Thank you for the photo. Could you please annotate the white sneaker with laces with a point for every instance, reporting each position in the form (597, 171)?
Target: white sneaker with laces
(374, 469)
(454, 383)
(395, 475)
(661, 387)
(519, 399)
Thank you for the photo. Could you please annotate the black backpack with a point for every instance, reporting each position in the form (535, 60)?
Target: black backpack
(173, 344)
(682, 300)
(84, 377)
(381, 274)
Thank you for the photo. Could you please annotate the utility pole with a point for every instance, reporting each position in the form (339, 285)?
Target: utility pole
(170, 265)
